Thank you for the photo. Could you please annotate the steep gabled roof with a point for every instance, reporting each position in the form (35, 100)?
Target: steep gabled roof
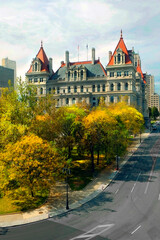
(41, 55)
(122, 46)
(140, 71)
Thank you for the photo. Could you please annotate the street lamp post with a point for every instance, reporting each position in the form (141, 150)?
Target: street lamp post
(67, 172)
(117, 158)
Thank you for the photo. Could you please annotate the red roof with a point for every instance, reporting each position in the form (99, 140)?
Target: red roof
(121, 45)
(140, 71)
(41, 55)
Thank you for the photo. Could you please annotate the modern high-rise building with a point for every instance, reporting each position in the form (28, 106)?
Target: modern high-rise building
(152, 97)
(150, 87)
(155, 101)
(89, 81)
(12, 65)
(6, 75)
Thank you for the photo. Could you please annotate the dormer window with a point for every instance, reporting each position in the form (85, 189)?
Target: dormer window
(119, 58)
(81, 74)
(75, 75)
(35, 67)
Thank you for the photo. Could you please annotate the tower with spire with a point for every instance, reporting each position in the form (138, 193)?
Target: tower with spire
(125, 77)
(40, 71)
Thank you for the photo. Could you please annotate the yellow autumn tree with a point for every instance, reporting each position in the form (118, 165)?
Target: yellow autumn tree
(130, 116)
(28, 168)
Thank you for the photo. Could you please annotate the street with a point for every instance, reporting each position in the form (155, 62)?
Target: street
(129, 208)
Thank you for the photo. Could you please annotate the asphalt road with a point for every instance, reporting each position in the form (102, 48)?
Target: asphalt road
(129, 208)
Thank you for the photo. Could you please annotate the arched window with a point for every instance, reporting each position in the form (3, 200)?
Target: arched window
(41, 91)
(49, 90)
(81, 74)
(67, 101)
(94, 101)
(73, 100)
(115, 59)
(81, 88)
(104, 88)
(35, 68)
(119, 58)
(75, 89)
(57, 90)
(126, 86)
(69, 89)
(98, 88)
(111, 87)
(75, 75)
(93, 88)
(119, 87)
(112, 99)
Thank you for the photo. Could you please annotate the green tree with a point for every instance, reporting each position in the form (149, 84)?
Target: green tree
(70, 129)
(97, 125)
(154, 113)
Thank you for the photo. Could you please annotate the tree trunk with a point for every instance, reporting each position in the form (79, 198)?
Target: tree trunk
(98, 156)
(92, 158)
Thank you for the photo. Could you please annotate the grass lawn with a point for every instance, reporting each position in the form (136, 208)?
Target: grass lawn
(7, 206)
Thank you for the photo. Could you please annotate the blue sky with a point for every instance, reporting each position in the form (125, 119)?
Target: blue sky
(64, 24)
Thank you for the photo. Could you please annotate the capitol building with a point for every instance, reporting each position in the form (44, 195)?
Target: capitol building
(89, 81)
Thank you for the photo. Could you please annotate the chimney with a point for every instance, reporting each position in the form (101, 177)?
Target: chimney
(67, 58)
(110, 55)
(50, 65)
(93, 55)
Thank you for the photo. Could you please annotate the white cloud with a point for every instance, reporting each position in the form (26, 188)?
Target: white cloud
(65, 24)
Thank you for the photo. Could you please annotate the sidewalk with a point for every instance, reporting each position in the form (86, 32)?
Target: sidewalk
(56, 203)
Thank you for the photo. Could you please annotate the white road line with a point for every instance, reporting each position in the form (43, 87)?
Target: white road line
(148, 182)
(117, 191)
(133, 187)
(94, 232)
(136, 229)
(135, 182)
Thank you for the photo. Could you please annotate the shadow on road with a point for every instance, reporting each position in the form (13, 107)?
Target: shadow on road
(3, 231)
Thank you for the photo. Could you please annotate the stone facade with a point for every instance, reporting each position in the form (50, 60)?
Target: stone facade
(88, 80)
